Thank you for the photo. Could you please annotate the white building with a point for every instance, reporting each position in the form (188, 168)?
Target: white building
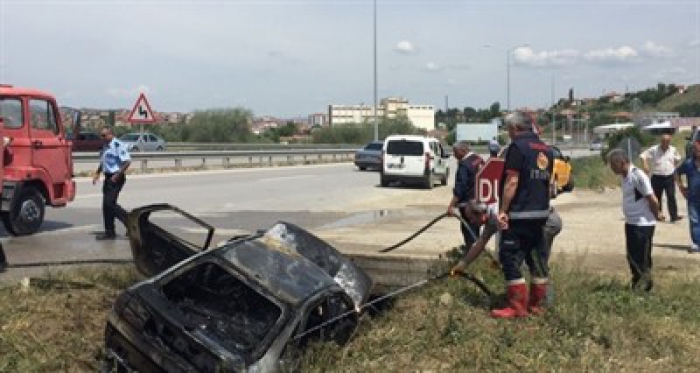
(421, 116)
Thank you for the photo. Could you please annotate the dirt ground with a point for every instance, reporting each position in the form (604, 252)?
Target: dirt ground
(592, 237)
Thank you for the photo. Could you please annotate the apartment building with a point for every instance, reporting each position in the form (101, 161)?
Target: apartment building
(422, 116)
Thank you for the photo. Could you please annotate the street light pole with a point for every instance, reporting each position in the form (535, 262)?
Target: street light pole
(554, 116)
(376, 122)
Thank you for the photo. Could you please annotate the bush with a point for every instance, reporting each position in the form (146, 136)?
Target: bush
(364, 132)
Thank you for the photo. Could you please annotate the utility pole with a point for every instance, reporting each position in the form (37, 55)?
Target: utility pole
(554, 116)
(376, 121)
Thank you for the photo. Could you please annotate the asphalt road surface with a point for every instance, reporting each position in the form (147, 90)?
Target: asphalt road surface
(231, 200)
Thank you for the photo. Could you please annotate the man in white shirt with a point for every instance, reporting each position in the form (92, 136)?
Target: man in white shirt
(641, 210)
(661, 161)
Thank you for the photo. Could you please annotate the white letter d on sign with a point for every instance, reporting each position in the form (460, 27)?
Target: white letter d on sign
(486, 190)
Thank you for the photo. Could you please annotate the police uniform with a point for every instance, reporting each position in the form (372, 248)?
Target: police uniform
(465, 181)
(532, 160)
(114, 155)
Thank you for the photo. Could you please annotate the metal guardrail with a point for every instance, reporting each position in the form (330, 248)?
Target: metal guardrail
(228, 158)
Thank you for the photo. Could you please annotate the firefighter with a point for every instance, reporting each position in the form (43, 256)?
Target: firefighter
(463, 192)
(115, 161)
(523, 212)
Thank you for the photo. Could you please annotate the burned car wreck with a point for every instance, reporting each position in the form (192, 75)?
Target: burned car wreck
(250, 304)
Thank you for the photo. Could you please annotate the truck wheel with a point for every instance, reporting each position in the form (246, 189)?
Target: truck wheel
(26, 214)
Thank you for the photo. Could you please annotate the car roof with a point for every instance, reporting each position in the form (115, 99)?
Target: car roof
(409, 137)
(279, 269)
(8, 90)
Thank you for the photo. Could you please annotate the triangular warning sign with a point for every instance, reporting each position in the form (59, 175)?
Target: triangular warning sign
(142, 112)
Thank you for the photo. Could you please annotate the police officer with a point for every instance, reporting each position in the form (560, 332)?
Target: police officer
(463, 192)
(115, 161)
(522, 216)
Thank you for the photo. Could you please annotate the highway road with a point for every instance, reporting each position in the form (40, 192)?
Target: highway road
(232, 200)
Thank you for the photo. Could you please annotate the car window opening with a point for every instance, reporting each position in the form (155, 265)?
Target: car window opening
(215, 301)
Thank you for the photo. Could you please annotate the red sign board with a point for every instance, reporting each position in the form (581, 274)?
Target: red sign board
(142, 112)
(488, 180)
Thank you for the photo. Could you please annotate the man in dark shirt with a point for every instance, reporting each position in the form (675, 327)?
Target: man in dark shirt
(465, 180)
(523, 212)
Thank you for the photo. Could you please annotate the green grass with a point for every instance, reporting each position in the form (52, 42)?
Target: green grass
(593, 173)
(596, 324)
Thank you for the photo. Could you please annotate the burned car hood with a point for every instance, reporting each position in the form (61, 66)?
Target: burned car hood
(274, 258)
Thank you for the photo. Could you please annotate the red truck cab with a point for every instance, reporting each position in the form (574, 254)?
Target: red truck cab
(37, 164)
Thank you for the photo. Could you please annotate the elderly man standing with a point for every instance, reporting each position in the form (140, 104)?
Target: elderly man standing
(468, 165)
(641, 210)
(115, 162)
(661, 161)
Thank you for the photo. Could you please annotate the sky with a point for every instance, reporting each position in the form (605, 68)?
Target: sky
(290, 58)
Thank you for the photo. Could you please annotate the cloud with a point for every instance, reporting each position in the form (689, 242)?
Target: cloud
(128, 93)
(674, 72)
(527, 56)
(694, 43)
(405, 47)
(432, 66)
(624, 54)
(654, 50)
(455, 82)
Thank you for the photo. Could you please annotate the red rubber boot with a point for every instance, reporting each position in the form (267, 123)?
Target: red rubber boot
(517, 303)
(538, 295)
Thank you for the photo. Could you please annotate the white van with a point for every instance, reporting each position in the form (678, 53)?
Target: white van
(414, 159)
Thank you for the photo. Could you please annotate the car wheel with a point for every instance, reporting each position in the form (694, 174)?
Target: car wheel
(554, 188)
(569, 187)
(134, 149)
(159, 148)
(384, 181)
(26, 213)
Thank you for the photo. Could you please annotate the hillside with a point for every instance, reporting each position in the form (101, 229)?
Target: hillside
(689, 97)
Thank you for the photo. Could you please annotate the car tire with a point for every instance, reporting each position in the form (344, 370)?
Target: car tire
(384, 181)
(26, 213)
(569, 187)
(159, 148)
(554, 188)
(134, 149)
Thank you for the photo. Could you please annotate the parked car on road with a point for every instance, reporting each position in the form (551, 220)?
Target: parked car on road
(370, 156)
(562, 174)
(596, 145)
(414, 159)
(86, 142)
(145, 142)
(249, 305)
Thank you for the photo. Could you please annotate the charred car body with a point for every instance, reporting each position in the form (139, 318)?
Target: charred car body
(249, 304)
